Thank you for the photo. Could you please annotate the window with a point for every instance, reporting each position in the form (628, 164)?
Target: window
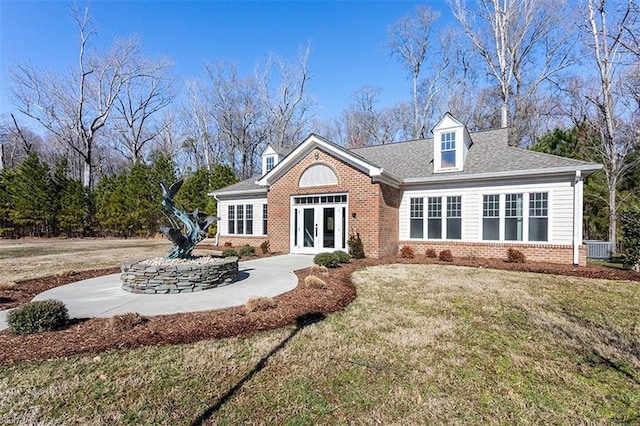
(434, 214)
(513, 219)
(491, 217)
(240, 220)
(248, 219)
(454, 218)
(231, 220)
(269, 163)
(264, 219)
(538, 216)
(416, 218)
(448, 150)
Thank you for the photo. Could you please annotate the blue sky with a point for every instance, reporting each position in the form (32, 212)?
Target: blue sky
(346, 38)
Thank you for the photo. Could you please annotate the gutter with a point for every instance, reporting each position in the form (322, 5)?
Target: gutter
(217, 227)
(445, 177)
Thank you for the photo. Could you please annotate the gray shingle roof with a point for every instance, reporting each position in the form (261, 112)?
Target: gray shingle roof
(489, 153)
(245, 185)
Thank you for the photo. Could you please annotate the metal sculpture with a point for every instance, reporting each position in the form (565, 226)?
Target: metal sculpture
(195, 225)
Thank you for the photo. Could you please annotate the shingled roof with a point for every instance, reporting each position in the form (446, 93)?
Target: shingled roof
(412, 161)
(489, 153)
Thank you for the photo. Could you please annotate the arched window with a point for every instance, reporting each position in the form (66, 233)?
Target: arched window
(318, 175)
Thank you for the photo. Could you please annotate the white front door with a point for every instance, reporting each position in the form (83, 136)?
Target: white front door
(318, 228)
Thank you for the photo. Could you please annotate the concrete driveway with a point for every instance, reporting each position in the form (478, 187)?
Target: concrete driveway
(102, 296)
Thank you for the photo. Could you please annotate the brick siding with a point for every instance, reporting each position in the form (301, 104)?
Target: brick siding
(536, 252)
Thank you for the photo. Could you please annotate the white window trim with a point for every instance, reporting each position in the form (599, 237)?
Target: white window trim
(525, 216)
(443, 218)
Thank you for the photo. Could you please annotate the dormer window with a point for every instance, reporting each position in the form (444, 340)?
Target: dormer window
(448, 150)
(269, 163)
(451, 143)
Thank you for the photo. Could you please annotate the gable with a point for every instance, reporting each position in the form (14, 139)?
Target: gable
(314, 142)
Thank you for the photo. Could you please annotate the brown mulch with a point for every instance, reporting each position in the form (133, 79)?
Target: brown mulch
(98, 334)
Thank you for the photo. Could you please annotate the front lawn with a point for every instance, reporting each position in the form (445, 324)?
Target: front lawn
(420, 344)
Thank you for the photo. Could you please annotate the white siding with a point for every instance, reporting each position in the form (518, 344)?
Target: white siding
(560, 204)
(223, 212)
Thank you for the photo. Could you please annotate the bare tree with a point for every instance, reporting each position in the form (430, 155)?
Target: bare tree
(201, 119)
(410, 40)
(286, 101)
(522, 43)
(605, 28)
(239, 116)
(363, 123)
(16, 143)
(75, 107)
(136, 106)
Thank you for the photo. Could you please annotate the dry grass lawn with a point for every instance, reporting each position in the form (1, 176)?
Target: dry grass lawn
(36, 258)
(422, 344)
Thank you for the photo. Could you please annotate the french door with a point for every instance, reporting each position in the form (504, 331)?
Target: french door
(318, 227)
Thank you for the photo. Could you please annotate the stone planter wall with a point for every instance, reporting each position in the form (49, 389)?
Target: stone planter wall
(141, 277)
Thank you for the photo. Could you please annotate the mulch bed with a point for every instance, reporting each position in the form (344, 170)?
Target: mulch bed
(98, 334)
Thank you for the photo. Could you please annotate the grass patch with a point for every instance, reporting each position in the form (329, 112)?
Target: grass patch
(420, 344)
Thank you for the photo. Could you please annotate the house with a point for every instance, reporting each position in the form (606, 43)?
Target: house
(468, 192)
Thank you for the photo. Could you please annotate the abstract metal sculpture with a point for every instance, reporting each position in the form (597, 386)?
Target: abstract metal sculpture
(195, 225)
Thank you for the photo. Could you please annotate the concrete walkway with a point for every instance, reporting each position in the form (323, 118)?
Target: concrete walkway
(102, 296)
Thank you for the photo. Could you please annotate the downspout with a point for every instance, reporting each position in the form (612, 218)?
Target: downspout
(218, 224)
(577, 216)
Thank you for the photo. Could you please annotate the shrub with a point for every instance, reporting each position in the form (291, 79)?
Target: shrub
(431, 253)
(515, 256)
(260, 304)
(356, 247)
(343, 256)
(66, 273)
(317, 269)
(265, 247)
(125, 322)
(229, 253)
(406, 252)
(247, 251)
(330, 260)
(631, 239)
(34, 317)
(445, 256)
(313, 282)
(7, 285)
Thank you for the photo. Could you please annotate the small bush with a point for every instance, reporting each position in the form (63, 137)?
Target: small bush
(228, 244)
(356, 247)
(330, 260)
(247, 251)
(260, 304)
(431, 253)
(343, 256)
(445, 256)
(7, 285)
(229, 253)
(34, 317)
(66, 273)
(313, 282)
(319, 270)
(406, 252)
(265, 247)
(515, 256)
(126, 322)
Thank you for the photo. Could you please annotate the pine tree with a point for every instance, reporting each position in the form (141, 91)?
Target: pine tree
(33, 200)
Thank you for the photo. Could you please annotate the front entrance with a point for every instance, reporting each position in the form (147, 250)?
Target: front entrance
(318, 223)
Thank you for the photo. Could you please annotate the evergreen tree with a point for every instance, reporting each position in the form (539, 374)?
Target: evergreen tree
(72, 202)
(111, 205)
(7, 190)
(34, 198)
